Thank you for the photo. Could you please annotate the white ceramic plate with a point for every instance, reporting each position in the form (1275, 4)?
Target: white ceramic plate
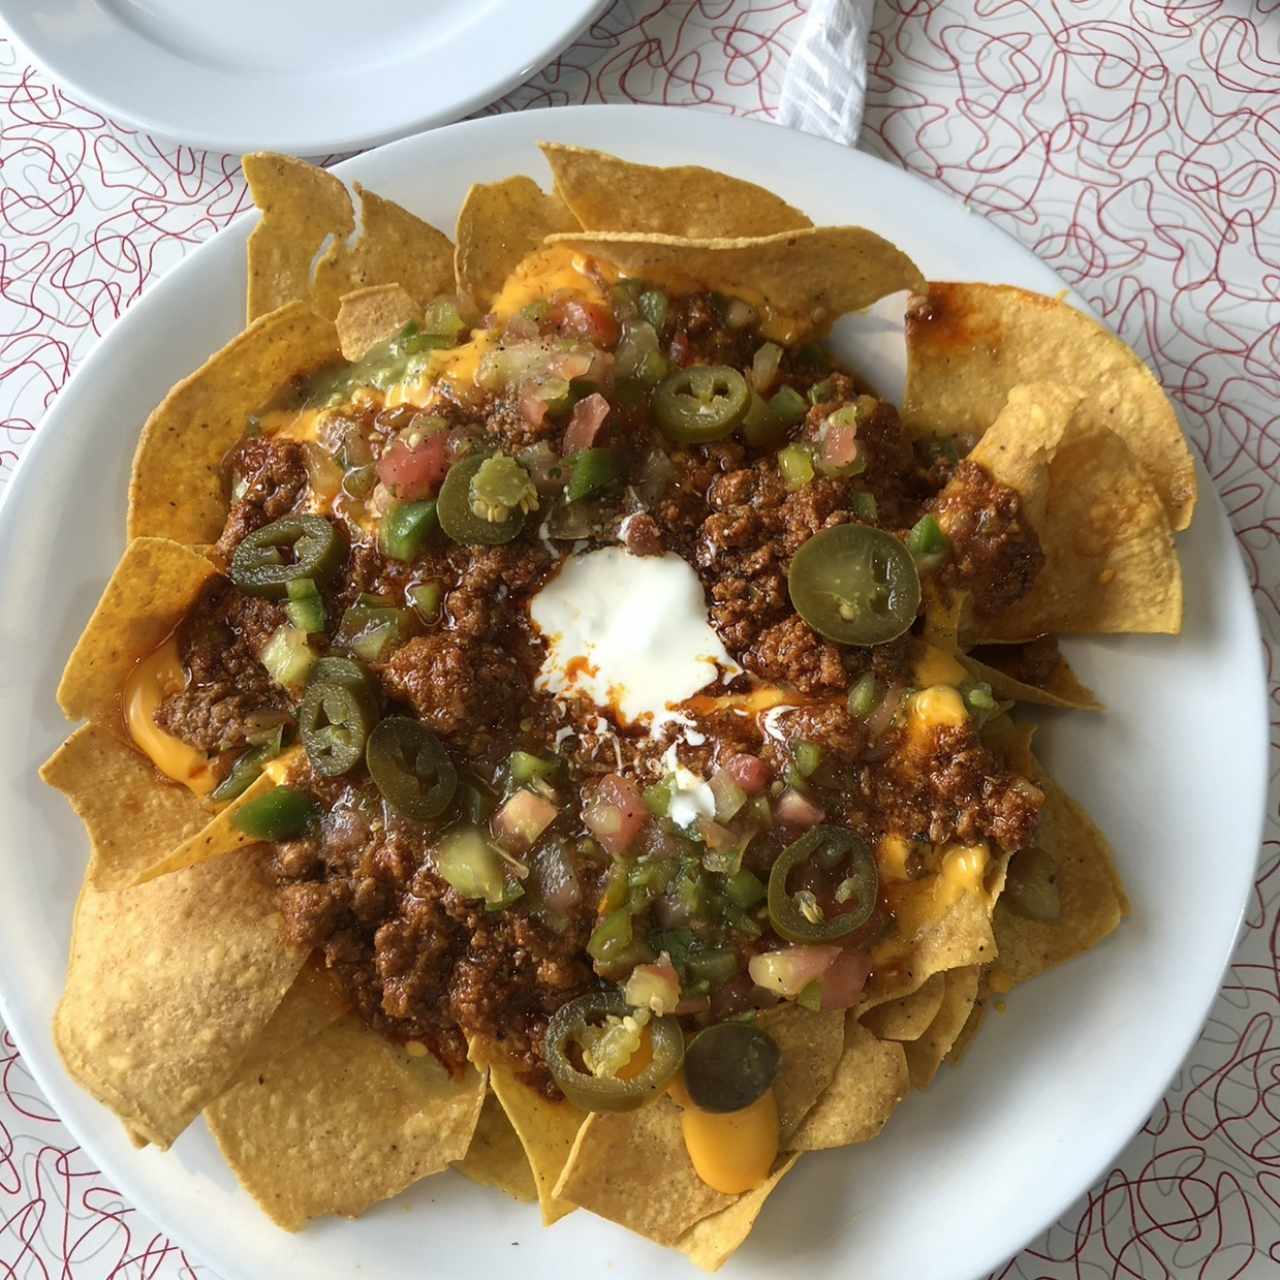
(310, 77)
(964, 1174)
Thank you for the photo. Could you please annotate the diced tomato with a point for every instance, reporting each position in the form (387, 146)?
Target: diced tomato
(840, 444)
(843, 981)
(520, 821)
(749, 772)
(533, 408)
(654, 986)
(575, 318)
(588, 417)
(615, 813)
(797, 810)
(415, 473)
(789, 971)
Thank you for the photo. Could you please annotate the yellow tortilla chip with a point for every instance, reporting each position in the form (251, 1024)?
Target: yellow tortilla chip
(869, 1083)
(177, 488)
(131, 814)
(168, 985)
(495, 1158)
(1092, 900)
(1002, 666)
(926, 1052)
(606, 193)
(546, 1130)
(152, 589)
(907, 1017)
(811, 1044)
(310, 1005)
(220, 834)
(343, 1121)
(632, 1168)
(802, 281)
(369, 316)
(709, 1243)
(308, 218)
(969, 345)
(499, 224)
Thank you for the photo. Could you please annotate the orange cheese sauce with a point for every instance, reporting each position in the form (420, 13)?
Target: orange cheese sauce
(154, 679)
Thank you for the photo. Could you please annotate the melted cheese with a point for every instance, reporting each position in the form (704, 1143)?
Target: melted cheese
(919, 904)
(291, 424)
(892, 853)
(540, 276)
(937, 666)
(153, 679)
(938, 706)
(732, 1152)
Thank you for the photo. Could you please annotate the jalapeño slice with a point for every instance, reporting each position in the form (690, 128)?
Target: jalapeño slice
(277, 815)
(701, 403)
(261, 567)
(610, 1093)
(454, 510)
(410, 768)
(334, 723)
(855, 584)
(843, 856)
(729, 1066)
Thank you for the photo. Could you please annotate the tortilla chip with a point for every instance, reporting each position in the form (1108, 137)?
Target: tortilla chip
(310, 1005)
(969, 345)
(1110, 563)
(369, 316)
(343, 1121)
(496, 1158)
(546, 1130)
(973, 1022)
(869, 1083)
(177, 489)
(1000, 666)
(811, 1044)
(220, 834)
(152, 589)
(907, 1017)
(709, 1243)
(131, 814)
(926, 1052)
(308, 213)
(802, 281)
(632, 1168)
(499, 224)
(1093, 901)
(168, 985)
(605, 193)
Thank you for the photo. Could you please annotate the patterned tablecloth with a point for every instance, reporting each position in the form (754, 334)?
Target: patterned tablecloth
(1133, 144)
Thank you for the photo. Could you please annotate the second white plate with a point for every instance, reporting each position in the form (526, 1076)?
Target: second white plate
(309, 77)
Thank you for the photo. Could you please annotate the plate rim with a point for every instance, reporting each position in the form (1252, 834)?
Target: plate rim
(1211, 506)
(21, 27)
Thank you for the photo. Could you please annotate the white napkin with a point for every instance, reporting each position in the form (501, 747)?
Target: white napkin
(825, 85)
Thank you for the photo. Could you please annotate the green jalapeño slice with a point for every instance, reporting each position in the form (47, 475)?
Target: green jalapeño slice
(701, 403)
(848, 863)
(855, 585)
(261, 564)
(410, 768)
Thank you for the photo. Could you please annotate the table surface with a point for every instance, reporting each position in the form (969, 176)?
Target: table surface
(1134, 145)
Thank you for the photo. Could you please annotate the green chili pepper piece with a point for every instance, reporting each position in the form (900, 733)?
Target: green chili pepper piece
(610, 936)
(785, 910)
(406, 528)
(334, 723)
(526, 767)
(247, 769)
(654, 307)
(810, 996)
(822, 392)
(744, 889)
(593, 470)
(714, 965)
(410, 768)
(864, 506)
(279, 814)
(701, 403)
(657, 798)
(788, 406)
(425, 599)
(305, 608)
(372, 632)
(927, 542)
(609, 1093)
(796, 466)
(808, 758)
(259, 566)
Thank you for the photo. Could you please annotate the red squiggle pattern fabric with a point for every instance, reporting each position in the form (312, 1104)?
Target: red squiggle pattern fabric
(1133, 144)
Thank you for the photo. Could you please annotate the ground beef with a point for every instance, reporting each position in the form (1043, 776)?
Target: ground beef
(791, 650)
(698, 334)
(418, 962)
(642, 535)
(995, 554)
(219, 643)
(274, 477)
(955, 789)
(463, 689)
